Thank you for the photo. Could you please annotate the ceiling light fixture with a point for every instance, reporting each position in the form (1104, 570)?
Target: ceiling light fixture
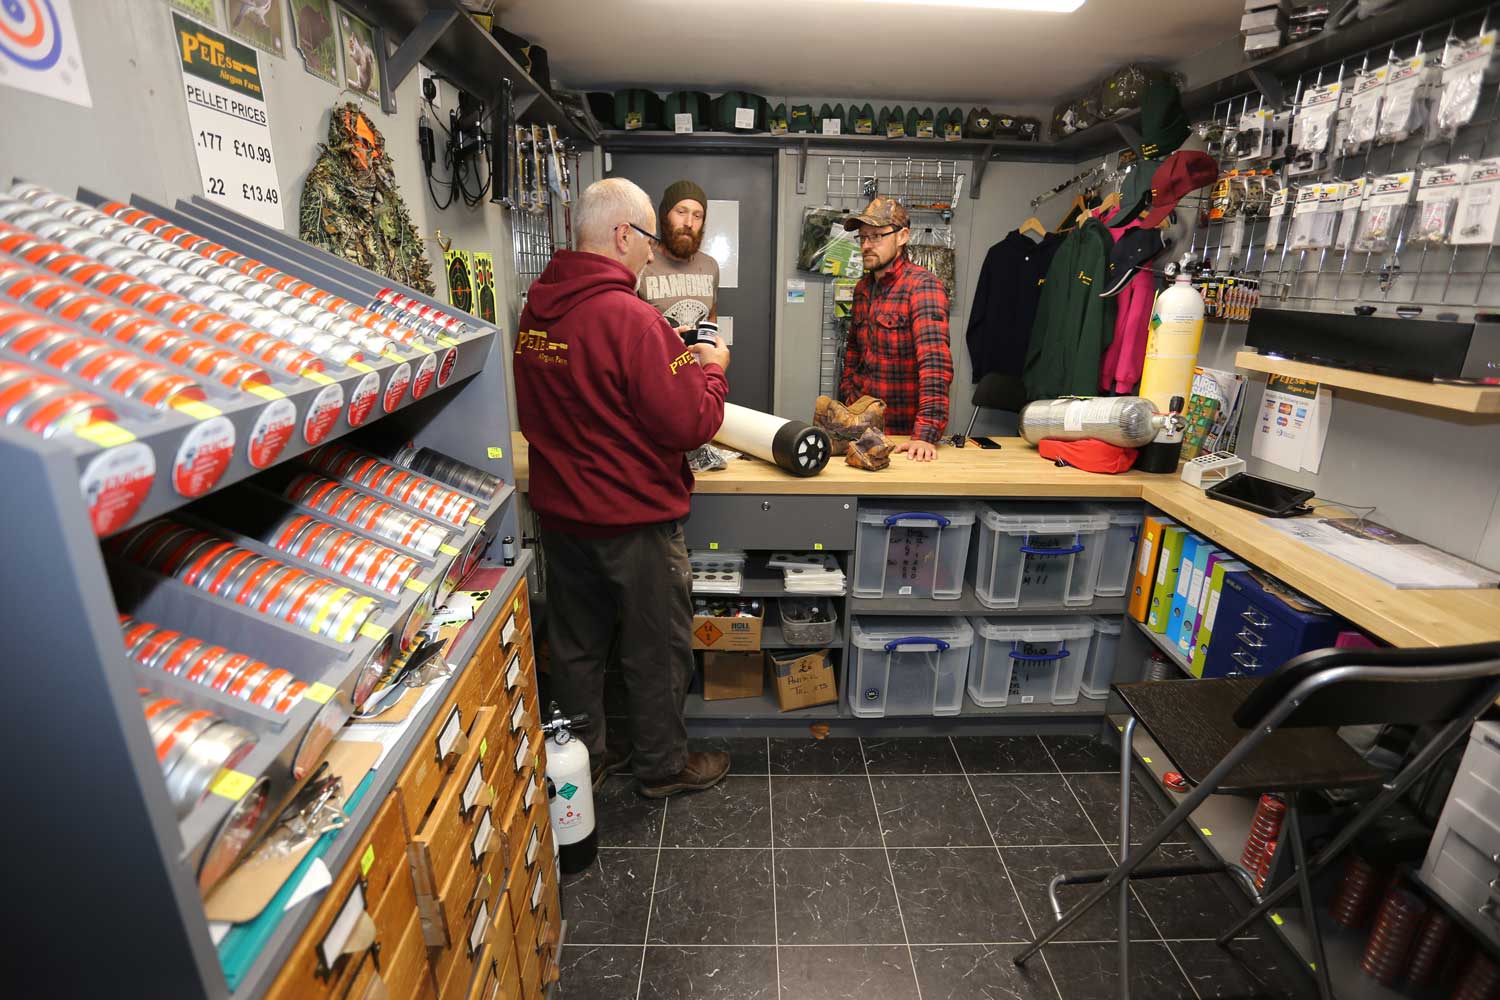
(1033, 6)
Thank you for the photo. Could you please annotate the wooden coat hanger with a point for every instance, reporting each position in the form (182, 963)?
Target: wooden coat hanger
(1070, 218)
(1032, 225)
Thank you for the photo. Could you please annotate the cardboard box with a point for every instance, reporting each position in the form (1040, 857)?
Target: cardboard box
(733, 675)
(739, 635)
(803, 680)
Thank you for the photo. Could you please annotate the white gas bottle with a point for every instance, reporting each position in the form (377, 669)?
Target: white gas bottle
(1172, 345)
(570, 793)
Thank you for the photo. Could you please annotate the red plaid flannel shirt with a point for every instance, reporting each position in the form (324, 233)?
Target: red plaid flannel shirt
(898, 349)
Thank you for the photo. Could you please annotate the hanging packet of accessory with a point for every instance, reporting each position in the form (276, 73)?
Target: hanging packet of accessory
(822, 229)
(1477, 222)
(1275, 216)
(1437, 202)
(1313, 129)
(1354, 198)
(1219, 204)
(1364, 110)
(1252, 141)
(1385, 207)
(1257, 195)
(1315, 216)
(932, 247)
(1341, 117)
(1407, 96)
(1464, 72)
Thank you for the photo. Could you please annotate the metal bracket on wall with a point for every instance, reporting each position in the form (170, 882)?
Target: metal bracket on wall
(1269, 87)
(416, 45)
(981, 161)
(802, 166)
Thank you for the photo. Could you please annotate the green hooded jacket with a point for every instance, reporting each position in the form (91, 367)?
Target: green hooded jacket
(1073, 324)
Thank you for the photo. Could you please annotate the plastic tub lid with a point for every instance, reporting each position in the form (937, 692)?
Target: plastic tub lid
(1046, 517)
(919, 512)
(1033, 629)
(877, 631)
(1108, 626)
(1119, 513)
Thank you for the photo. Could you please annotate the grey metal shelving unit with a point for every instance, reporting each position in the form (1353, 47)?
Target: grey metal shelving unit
(100, 838)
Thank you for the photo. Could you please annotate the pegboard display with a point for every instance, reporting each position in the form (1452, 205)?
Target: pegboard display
(532, 234)
(921, 185)
(1357, 205)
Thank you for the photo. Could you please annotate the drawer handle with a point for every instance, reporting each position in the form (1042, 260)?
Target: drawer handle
(1250, 639)
(1066, 550)
(914, 517)
(916, 640)
(1255, 618)
(1039, 657)
(1245, 660)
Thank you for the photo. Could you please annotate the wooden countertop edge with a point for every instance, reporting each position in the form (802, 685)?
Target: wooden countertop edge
(1400, 617)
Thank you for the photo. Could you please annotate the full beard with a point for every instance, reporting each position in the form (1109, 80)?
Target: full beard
(683, 243)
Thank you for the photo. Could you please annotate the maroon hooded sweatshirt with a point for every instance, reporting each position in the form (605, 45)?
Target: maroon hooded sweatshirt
(609, 400)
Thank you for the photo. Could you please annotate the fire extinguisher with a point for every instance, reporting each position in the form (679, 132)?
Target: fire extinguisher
(570, 792)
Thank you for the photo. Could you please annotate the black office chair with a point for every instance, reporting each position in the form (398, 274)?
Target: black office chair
(996, 391)
(1245, 737)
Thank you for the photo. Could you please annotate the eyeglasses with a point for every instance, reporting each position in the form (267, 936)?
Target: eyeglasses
(877, 237)
(650, 236)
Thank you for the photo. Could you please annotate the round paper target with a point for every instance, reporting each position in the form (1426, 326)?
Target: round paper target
(29, 33)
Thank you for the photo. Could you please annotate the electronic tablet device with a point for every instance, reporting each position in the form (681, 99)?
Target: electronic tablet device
(1263, 496)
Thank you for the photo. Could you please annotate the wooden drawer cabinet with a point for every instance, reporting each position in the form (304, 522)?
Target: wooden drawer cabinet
(406, 971)
(446, 832)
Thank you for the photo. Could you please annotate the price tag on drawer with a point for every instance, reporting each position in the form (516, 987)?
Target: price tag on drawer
(532, 846)
(518, 717)
(471, 791)
(451, 731)
(352, 930)
(367, 861)
(480, 845)
(513, 672)
(521, 760)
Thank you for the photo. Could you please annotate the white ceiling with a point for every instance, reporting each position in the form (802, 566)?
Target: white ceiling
(782, 48)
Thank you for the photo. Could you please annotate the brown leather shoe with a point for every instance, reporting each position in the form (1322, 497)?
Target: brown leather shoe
(704, 769)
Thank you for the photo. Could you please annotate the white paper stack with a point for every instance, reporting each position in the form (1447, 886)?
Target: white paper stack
(717, 572)
(810, 573)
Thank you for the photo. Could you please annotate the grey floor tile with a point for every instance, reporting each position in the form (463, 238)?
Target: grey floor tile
(747, 755)
(955, 896)
(734, 813)
(1032, 868)
(598, 972)
(607, 902)
(1246, 970)
(1003, 754)
(930, 811)
(980, 972)
(1083, 753)
(1031, 810)
(713, 897)
(674, 973)
(1100, 795)
(836, 897)
(1192, 906)
(864, 973)
(625, 818)
(810, 756)
(1092, 972)
(824, 812)
(913, 755)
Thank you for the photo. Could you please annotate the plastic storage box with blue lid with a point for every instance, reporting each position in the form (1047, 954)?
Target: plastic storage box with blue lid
(1039, 554)
(917, 551)
(1028, 661)
(907, 666)
(1118, 556)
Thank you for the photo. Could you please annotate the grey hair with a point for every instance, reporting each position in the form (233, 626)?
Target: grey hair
(607, 203)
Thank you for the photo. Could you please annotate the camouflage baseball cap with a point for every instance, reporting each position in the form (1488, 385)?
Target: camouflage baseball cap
(880, 212)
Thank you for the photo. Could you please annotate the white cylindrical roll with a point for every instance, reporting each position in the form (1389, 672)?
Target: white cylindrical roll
(799, 448)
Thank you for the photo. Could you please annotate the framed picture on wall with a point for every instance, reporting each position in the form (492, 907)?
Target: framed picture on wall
(360, 47)
(316, 38)
(257, 23)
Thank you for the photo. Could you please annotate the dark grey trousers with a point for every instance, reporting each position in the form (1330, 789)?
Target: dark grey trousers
(641, 583)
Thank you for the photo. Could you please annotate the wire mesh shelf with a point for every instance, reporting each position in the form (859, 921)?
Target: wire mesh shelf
(1438, 276)
(920, 185)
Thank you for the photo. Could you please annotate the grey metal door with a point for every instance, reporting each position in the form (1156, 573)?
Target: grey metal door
(750, 180)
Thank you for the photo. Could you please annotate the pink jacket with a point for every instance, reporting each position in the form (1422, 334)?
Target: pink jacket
(1120, 372)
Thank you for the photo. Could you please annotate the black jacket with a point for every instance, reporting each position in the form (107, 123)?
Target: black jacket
(1010, 284)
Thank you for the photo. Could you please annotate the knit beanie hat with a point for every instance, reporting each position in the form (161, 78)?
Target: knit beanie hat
(677, 192)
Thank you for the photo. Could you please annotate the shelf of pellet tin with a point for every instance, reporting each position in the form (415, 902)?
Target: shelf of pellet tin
(208, 364)
(340, 651)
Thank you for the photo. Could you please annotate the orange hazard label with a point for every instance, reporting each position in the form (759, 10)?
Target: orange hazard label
(708, 633)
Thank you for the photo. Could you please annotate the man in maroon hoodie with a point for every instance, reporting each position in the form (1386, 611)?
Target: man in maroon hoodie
(610, 401)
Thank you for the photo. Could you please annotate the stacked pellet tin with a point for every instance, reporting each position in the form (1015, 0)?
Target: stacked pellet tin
(388, 479)
(157, 648)
(368, 512)
(45, 405)
(324, 544)
(459, 475)
(192, 747)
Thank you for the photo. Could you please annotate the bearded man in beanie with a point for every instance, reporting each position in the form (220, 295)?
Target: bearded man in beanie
(682, 282)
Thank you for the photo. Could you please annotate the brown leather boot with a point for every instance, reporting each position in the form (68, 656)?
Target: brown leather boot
(704, 769)
(847, 423)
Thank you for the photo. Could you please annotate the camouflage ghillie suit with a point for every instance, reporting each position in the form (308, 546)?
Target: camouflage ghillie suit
(351, 208)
